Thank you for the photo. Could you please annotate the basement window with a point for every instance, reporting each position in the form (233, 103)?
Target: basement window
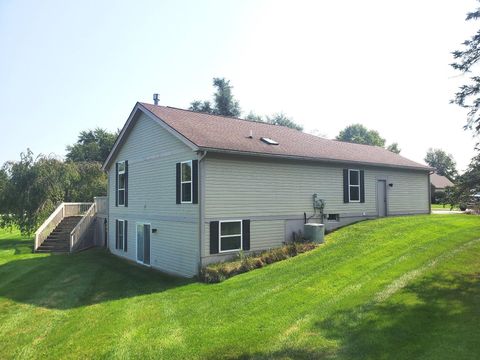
(230, 235)
(333, 217)
(269, 141)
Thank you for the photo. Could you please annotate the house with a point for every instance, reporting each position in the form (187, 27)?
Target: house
(187, 189)
(439, 182)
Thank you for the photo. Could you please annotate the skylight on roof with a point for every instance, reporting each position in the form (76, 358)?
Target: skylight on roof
(269, 141)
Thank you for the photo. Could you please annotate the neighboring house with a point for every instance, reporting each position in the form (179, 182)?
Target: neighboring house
(439, 182)
(187, 188)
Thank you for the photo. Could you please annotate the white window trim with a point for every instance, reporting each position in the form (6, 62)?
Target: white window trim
(186, 182)
(226, 236)
(136, 243)
(357, 186)
(118, 181)
(123, 238)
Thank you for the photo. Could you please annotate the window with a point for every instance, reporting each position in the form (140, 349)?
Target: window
(230, 235)
(186, 181)
(121, 183)
(354, 185)
(333, 217)
(121, 235)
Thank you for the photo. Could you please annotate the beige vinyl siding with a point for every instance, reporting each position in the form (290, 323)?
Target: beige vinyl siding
(152, 154)
(270, 191)
(242, 187)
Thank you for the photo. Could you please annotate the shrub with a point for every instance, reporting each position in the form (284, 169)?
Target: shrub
(218, 272)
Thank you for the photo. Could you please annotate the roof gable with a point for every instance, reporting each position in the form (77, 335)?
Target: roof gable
(137, 110)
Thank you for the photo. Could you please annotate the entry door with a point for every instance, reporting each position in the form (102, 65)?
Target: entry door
(382, 198)
(143, 243)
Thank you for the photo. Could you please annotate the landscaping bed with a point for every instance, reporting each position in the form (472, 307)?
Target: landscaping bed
(218, 272)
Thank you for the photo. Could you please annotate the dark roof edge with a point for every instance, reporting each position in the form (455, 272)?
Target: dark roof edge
(305, 158)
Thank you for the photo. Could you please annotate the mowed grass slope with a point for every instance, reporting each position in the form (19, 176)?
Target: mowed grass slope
(401, 288)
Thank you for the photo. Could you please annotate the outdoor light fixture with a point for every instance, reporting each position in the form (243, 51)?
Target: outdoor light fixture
(391, 184)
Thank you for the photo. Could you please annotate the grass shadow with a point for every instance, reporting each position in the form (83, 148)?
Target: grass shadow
(445, 307)
(73, 280)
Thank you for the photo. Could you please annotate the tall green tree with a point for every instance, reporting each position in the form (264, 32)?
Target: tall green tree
(92, 145)
(393, 147)
(468, 95)
(443, 163)
(359, 134)
(224, 103)
(34, 187)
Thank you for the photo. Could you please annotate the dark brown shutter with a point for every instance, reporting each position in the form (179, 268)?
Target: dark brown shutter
(345, 186)
(116, 184)
(362, 186)
(126, 184)
(195, 181)
(179, 184)
(246, 234)
(125, 236)
(214, 237)
(116, 234)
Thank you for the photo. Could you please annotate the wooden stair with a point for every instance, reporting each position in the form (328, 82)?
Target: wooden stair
(59, 239)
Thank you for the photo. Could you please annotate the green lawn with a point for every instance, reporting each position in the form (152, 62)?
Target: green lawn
(395, 288)
(443, 207)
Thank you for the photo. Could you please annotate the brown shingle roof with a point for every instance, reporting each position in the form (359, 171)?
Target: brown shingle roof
(439, 181)
(230, 134)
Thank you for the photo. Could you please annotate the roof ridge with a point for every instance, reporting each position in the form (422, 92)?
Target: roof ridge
(221, 116)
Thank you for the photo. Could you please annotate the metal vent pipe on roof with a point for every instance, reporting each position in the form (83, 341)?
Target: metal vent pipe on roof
(156, 99)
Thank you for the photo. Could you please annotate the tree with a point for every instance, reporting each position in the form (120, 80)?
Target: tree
(359, 134)
(281, 119)
(87, 181)
(34, 187)
(224, 102)
(393, 147)
(92, 145)
(466, 185)
(254, 117)
(201, 106)
(468, 94)
(443, 163)
(3, 189)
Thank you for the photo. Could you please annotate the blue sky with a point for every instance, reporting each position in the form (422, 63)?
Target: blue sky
(71, 66)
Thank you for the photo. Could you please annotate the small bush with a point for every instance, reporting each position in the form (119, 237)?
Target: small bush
(218, 272)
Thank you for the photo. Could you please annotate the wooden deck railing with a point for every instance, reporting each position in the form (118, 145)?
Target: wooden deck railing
(49, 225)
(81, 231)
(62, 211)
